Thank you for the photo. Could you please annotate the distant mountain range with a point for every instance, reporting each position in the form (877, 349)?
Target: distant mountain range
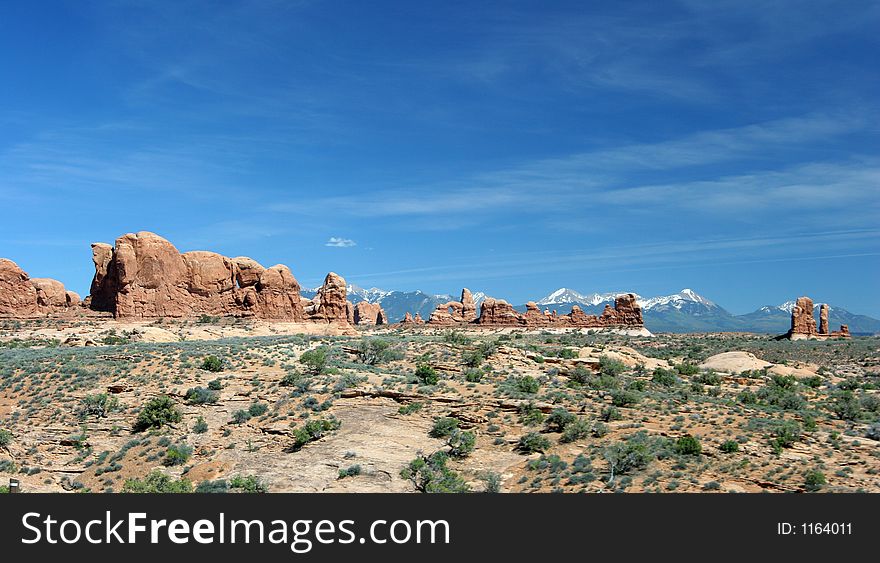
(685, 311)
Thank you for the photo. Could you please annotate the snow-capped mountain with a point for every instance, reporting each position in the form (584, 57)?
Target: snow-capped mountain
(372, 295)
(683, 298)
(563, 295)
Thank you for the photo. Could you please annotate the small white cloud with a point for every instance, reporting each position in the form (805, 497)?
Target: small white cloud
(340, 242)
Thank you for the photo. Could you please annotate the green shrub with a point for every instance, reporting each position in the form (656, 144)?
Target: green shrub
(431, 475)
(157, 482)
(635, 453)
(785, 435)
(200, 427)
(709, 378)
(426, 374)
(568, 354)
(5, 437)
(241, 416)
(200, 396)
(664, 377)
(575, 430)
(215, 385)
(315, 360)
(461, 443)
(687, 369)
(530, 415)
(374, 351)
(687, 445)
(157, 413)
(177, 455)
(730, 446)
(624, 398)
(313, 430)
(559, 419)
(249, 484)
(845, 405)
(212, 363)
(443, 427)
(814, 480)
(472, 358)
(350, 471)
(258, 409)
(473, 375)
(99, 405)
(610, 366)
(610, 414)
(533, 442)
(527, 384)
(218, 486)
(580, 375)
(410, 408)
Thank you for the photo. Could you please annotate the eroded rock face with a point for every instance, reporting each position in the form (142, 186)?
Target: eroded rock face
(408, 319)
(145, 276)
(823, 319)
(447, 314)
(22, 296)
(468, 308)
(369, 314)
(802, 320)
(498, 312)
(330, 304)
(803, 323)
(50, 293)
(18, 297)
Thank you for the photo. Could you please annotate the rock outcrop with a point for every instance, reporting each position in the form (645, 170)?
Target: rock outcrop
(468, 308)
(22, 296)
(803, 322)
(18, 296)
(369, 314)
(497, 312)
(408, 319)
(145, 276)
(330, 304)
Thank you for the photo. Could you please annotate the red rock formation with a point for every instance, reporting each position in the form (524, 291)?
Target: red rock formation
(18, 297)
(447, 314)
(369, 314)
(145, 276)
(498, 312)
(349, 312)
(823, 319)
(802, 320)
(803, 323)
(468, 308)
(22, 296)
(842, 333)
(408, 319)
(329, 305)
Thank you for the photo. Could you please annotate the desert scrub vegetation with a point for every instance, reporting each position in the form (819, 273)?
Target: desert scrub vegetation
(375, 351)
(98, 406)
(156, 413)
(313, 430)
(157, 482)
(430, 474)
(212, 363)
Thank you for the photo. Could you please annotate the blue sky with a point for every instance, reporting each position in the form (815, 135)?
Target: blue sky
(511, 147)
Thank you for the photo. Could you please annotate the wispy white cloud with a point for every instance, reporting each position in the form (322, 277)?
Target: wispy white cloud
(339, 242)
(607, 177)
